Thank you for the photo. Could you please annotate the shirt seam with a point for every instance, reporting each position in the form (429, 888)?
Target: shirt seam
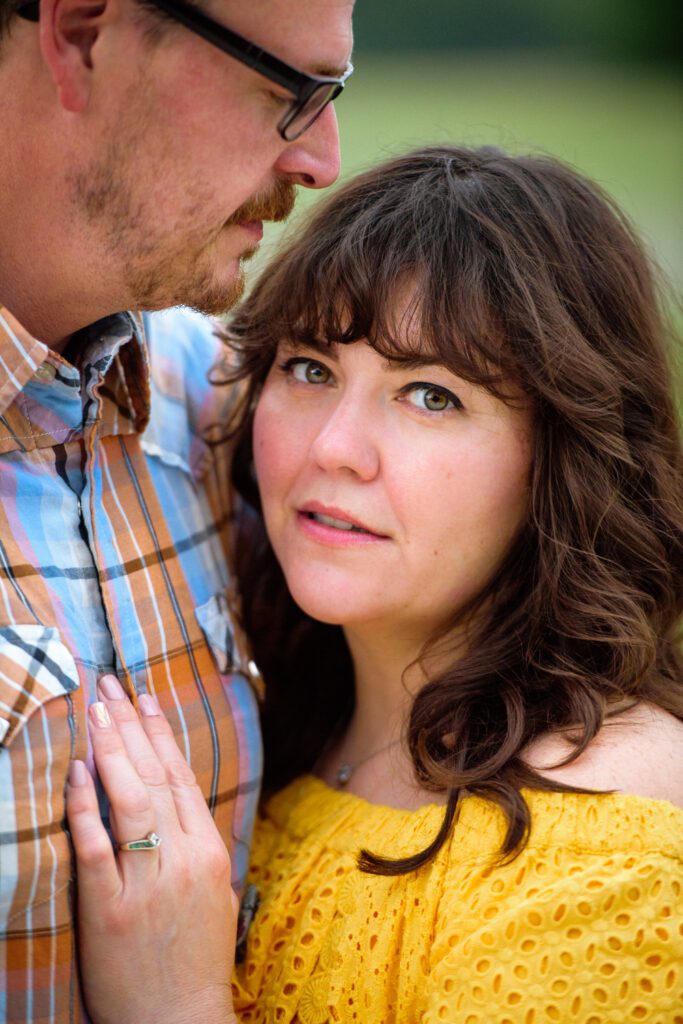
(39, 903)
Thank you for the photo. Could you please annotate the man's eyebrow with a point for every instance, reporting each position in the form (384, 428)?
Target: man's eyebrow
(328, 71)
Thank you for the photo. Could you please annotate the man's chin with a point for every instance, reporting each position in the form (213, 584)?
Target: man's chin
(212, 285)
(218, 298)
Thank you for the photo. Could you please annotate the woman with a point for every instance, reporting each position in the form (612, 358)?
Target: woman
(461, 422)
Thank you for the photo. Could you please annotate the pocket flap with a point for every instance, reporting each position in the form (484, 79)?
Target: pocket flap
(225, 637)
(35, 667)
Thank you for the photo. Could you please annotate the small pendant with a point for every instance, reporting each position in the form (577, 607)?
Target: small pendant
(344, 773)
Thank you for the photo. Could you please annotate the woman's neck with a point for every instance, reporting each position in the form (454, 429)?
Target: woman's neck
(372, 751)
(386, 680)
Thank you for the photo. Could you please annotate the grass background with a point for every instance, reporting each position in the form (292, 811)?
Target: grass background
(620, 124)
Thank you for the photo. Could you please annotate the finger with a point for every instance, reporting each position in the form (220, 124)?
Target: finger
(193, 814)
(140, 752)
(133, 813)
(95, 859)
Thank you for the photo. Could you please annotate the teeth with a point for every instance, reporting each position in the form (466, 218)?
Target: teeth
(338, 524)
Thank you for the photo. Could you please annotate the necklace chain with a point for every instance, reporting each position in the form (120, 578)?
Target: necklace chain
(345, 771)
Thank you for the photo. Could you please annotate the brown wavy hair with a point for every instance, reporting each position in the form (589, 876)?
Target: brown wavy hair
(523, 271)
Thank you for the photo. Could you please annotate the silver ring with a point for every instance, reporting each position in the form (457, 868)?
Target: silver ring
(150, 842)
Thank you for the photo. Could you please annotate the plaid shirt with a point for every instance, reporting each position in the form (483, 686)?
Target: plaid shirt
(113, 533)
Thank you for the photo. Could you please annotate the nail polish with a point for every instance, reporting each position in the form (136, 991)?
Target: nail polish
(148, 705)
(99, 715)
(111, 688)
(78, 774)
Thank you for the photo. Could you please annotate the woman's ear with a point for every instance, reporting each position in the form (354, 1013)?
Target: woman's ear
(69, 30)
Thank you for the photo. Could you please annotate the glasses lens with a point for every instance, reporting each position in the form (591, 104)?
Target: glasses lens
(303, 117)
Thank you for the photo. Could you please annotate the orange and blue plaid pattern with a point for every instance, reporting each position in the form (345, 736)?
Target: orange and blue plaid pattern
(114, 539)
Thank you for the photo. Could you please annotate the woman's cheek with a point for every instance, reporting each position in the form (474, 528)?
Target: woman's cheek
(265, 442)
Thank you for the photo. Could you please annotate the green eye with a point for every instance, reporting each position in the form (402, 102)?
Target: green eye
(435, 401)
(308, 371)
(431, 398)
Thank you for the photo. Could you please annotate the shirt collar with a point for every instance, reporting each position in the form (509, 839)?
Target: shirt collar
(20, 356)
(116, 345)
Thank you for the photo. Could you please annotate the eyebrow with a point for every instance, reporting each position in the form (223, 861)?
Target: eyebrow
(413, 362)
(328, 71)
(324, 70)
(323, 347)
(330, 351)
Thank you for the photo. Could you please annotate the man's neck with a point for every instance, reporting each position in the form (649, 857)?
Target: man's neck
(50, 301)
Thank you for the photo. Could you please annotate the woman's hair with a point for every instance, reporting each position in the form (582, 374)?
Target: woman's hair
(520, 270)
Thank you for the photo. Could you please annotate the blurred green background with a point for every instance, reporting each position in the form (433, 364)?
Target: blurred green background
(596, 83)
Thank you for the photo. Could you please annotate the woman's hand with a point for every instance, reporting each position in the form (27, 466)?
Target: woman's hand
(156, 927)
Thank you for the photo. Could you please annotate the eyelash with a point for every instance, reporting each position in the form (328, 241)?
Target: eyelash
(281, 101)
(418, 385)
(288, 365)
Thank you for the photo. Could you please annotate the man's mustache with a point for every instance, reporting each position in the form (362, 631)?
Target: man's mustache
(277, 205)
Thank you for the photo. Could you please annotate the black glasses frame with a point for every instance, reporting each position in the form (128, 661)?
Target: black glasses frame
(302, 85)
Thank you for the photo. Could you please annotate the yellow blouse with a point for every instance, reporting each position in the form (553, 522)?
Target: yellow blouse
(584, 927)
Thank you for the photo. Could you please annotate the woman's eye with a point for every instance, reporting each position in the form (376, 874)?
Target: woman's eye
(432, 398)
(307, 371)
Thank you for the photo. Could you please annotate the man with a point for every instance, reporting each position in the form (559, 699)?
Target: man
(142, 143)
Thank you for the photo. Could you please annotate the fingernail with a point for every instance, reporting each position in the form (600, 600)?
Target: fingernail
(78, 774)
(99, 715)
(111, 688)
(149, 705)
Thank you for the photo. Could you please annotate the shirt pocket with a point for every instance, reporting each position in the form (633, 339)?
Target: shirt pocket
(242, 685)
(219, 622)
(38, 676)
(35, 667)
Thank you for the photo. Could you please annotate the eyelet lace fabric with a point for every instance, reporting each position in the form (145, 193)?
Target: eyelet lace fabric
(584, 927)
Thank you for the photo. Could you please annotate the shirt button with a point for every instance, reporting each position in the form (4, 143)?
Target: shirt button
(45, 373)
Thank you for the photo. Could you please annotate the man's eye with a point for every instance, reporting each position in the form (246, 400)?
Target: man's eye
(431, 398)
(278, 99)
(307, 371)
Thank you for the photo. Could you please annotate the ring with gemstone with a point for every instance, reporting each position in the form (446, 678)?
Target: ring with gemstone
(150, 842)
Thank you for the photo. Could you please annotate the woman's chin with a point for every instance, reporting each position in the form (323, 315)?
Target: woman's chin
(329, 603)
(327, 612)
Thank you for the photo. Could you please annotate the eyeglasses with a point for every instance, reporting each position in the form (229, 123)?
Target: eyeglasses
(311, 93)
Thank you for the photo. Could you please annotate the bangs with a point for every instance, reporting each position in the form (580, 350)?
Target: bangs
(415, 279)
(405, 323)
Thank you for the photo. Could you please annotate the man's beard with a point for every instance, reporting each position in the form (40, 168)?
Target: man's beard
(168, 266)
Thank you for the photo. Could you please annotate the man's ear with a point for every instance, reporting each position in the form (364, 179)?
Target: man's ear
(69, 30)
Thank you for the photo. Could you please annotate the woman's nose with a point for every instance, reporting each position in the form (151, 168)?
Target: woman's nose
(345, 443)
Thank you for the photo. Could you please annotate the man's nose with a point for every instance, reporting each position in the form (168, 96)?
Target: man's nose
(313, 159)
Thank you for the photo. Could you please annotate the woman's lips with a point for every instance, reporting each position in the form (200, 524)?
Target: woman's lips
(334, 526)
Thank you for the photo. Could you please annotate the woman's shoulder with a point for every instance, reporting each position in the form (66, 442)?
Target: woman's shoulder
(638, 752)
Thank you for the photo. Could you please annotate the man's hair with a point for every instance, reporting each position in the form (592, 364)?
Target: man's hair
(8, 9)
(154, 20)
(524, 272)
